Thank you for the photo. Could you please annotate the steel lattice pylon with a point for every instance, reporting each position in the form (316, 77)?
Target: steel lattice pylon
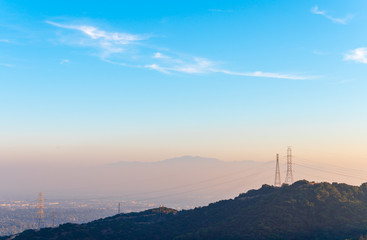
(40, 209)
(289, 176)
(277, 182)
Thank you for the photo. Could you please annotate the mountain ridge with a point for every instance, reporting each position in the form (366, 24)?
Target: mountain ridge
(185, 159)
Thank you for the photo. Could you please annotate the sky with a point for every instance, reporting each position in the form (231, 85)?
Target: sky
(96, 82)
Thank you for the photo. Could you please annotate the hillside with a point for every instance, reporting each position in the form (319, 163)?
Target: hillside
(303, 210)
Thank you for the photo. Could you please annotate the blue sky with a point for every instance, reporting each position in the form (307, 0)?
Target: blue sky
(142, 80)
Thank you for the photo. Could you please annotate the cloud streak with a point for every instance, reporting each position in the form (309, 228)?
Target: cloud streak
(193, 66)
(317, 11)
(357, 55)
(109, 42)
(202, 66)
(64, 61)
(116, 46)
(268, 75)
(95, 33)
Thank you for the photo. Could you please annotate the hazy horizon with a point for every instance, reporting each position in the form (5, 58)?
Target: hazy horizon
(84, 85)
(142, 81)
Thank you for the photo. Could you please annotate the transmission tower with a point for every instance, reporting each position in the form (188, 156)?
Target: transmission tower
(289, 177)
(53, 218)
(119, 208)
(277, 182)
(40, 209)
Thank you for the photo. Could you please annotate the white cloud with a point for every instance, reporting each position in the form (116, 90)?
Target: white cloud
(316, 10)
(95, 33)
(267, 75)
(167, 59)
(109, 42)
(357, 55)
(158, 68)
(159, 55)
(201, 65)
(198, 65)
(5, 40)
(114, 46)
(191, 66)
(64, 61)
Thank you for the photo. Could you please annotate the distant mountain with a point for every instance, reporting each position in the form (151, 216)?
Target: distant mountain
(177, 160)
(304, 210)
(189, 158)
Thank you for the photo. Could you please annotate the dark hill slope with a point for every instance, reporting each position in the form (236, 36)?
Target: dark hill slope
(301, 211)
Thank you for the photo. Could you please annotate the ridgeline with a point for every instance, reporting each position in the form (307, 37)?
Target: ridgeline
(303, 210)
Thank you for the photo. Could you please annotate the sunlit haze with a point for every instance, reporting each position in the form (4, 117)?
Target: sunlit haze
(86, 84)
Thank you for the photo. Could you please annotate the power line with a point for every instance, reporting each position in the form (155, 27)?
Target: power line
(332, 172)
(332, 165)
(172, 188)
(198, 189)
(339, 169)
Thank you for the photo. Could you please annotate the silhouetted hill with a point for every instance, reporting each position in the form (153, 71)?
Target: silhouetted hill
(303, 210)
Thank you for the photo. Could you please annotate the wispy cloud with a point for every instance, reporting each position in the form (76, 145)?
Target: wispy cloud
(357, 55)
(201, 65)
(316, 10)
(159, 55)
(268, 75)
(109, 42)
(64, 61)
(95, 33)
(193, 66)
(5, 40)
(168, 59)
(116, 46)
